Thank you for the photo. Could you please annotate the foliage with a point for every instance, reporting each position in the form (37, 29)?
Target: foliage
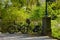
(37, 13)
(14, 13)
(54, 13)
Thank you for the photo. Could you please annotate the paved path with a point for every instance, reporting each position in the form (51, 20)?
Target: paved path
(23, 37)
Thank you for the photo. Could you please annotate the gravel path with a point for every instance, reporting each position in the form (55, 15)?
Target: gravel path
(22, 37)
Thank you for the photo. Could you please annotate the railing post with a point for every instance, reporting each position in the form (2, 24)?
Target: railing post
(46, 23)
